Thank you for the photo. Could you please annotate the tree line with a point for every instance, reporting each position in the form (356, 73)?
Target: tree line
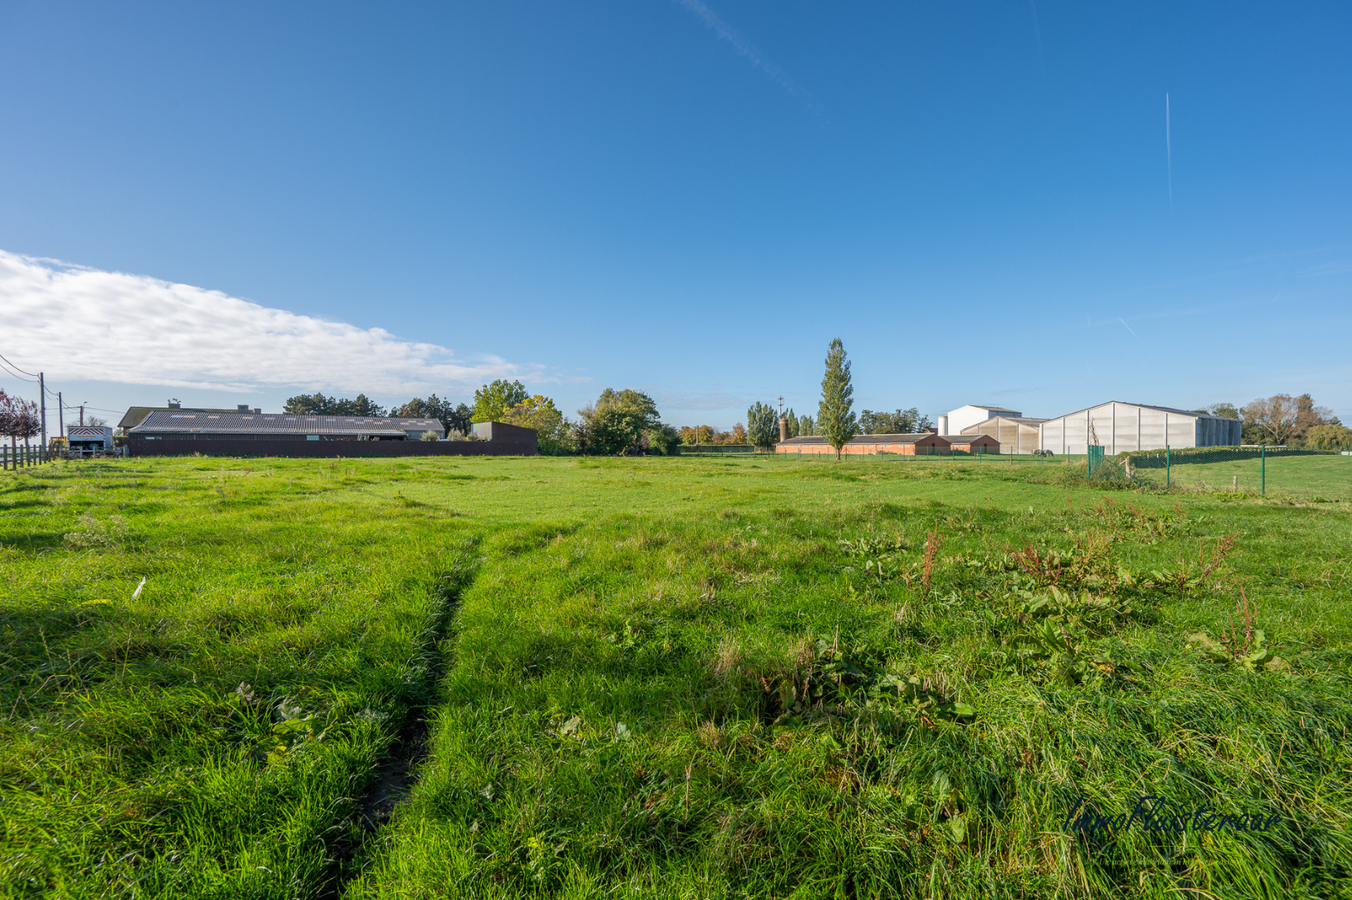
(618, 423)
(1284, 419)
(1295, 421)
(835, 421)
(627, 422)
(707, 435)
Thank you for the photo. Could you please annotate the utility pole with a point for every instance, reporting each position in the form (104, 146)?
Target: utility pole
(42, 399)
(81, 415)
(60, 414)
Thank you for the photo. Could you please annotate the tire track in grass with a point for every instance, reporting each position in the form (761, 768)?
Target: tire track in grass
(394, 774)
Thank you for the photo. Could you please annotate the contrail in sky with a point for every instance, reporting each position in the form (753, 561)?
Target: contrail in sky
(1125, 325)
(725, 32)
(1037, 31)
(1169, 149)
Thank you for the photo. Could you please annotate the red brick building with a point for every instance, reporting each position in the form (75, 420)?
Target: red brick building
(973, 443)
(869, 445)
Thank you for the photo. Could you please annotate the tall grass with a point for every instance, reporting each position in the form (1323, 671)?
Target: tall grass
(669, 678)
(206, 736)
(767, 703)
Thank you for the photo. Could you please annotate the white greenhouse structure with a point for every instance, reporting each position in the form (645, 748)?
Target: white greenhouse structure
(1121, 427)
(1016, 434)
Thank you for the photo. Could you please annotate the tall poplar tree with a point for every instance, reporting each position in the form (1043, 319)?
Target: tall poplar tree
(835, 420)
(762, 426)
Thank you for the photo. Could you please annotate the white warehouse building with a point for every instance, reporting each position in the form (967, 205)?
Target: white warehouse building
(1121, 427)
(959, 420)
(1016, 434)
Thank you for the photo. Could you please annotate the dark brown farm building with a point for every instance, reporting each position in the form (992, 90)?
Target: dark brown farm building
(244, 432)
(245, 424)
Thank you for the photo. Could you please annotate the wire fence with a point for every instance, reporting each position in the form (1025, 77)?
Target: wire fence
(1257, 470)
(928, 454)
(1297, 472)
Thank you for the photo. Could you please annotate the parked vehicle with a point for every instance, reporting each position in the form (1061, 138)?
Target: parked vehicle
(89, 440)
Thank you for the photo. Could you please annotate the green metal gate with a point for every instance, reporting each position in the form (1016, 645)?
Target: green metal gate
(1095, 458)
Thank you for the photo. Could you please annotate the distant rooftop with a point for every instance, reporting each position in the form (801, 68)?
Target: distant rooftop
(1022, 420)
(1168, 409)
(137, 414)
(187, 421)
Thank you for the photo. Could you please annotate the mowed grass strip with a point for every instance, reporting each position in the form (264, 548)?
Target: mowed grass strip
(813, 680)
(209, 735)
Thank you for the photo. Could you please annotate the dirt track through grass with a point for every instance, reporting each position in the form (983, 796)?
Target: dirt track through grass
(205, 735)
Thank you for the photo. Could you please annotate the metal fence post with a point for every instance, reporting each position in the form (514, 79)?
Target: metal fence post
(1166, 466)
(1262, 456)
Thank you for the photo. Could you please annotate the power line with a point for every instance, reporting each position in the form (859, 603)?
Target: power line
(16, 368)
(4, 365)
(94, 408)
(13, 370)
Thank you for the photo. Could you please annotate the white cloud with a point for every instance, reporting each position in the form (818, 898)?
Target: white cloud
(78, 323)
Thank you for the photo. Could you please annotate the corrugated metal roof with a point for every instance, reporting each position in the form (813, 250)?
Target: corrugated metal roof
(137, 414)
(892, 438)
(186, 422)
(994, 408)
(1018, 420)
(1168, 409)
(966, 438)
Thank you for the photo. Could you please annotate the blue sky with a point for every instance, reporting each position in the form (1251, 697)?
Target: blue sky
(235, 203)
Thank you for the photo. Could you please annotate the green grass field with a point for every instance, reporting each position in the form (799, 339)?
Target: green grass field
(676, 677)
(1306, 477)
